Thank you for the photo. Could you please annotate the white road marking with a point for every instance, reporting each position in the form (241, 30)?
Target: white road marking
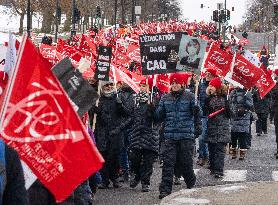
(275, 176)
(235, 175)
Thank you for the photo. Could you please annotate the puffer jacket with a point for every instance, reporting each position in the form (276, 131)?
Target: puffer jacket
(178, 112)
(274, 98)
(202, 94)
(241, 102)
(144, 133)
(109, 124)
(218, 129)
(262, 106)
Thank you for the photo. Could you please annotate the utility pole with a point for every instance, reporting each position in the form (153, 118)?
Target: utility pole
(116, 7)
(224, 26)
(29, 18)
(57, 20)
(73, 31)
(133, 12)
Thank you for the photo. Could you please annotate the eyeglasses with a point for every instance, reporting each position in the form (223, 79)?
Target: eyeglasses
(110, 84)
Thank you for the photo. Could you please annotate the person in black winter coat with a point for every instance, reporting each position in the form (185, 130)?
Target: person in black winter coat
(127, 103)
(178, 110)
(218, 127)
(274, 96)
(144, 140)
(262, 109)
(15, 192)
(40, 195)
(241, 104)
(110, 123)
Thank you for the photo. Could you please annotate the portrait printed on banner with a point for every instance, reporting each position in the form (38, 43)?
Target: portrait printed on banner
(191, 54)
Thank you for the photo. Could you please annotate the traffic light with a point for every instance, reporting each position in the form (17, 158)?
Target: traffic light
(215, 16)
(59, 14)
(76, 15)
(98, 12)
(202, 6)
(228, 16)
(222, 16)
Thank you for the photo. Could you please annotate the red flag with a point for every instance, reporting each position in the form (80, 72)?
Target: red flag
(265, 84)
(49, 53)
(40, 123)
(219, 60)
(245, 72)
(133, 53)
(122, 76)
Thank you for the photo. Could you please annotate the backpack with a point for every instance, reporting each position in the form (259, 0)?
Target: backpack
(3, 176)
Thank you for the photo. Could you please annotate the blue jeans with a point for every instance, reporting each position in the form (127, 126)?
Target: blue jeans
(203, 147)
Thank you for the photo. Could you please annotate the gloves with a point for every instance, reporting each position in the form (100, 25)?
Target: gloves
(196, 110)
(118, 100)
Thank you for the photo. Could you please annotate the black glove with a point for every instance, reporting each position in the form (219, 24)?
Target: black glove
(118, 100)
(196, 110)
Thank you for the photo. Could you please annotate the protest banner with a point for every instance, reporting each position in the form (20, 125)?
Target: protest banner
(219, 59)
(103, 63)
(265, 84)
(170, 53)
(245, 72)
(38, 121)
(81, 93)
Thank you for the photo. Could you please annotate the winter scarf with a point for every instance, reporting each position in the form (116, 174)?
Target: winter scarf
(141, 97)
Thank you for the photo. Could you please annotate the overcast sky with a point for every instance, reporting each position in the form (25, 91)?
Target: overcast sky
(192, 9)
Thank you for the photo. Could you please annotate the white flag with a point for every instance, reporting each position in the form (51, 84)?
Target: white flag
(10, 55)
(252, 58)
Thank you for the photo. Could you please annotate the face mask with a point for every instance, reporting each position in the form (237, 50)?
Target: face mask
(192, 50)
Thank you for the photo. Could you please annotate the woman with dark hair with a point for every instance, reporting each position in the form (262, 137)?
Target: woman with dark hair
(192, 49)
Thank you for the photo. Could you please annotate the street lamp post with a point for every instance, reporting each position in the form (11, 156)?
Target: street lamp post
(29, 18)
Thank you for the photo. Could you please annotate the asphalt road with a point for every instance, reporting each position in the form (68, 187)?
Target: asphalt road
(259, 165)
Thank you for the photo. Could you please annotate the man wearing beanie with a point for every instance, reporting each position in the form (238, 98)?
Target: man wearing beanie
(178, 111)
(203, 147)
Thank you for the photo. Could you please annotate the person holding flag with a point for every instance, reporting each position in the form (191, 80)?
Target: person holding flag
(218, 127)
(108, 133)
(203, 147)
(177, 110)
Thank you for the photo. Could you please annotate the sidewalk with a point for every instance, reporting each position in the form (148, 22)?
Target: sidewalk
(252, 193)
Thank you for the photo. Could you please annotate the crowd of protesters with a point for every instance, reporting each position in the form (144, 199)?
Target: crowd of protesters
(134, 130)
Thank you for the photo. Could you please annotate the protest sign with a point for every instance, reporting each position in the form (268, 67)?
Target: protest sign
(170, 53)
(103, 63)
